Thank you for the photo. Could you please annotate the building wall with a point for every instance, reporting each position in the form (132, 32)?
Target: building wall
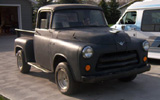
(26, 11)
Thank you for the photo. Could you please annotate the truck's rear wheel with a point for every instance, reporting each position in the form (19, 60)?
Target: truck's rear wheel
(22, 65)
(128, 78)
(64, 80)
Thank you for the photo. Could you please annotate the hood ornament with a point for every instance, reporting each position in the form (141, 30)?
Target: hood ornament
(121, 43)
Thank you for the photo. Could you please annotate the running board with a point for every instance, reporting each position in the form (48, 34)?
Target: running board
(33, 64)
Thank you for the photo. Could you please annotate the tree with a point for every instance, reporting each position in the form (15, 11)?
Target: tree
(89, 2)
(43, 2)
(114, 13)
(68, 1)
(104, 6)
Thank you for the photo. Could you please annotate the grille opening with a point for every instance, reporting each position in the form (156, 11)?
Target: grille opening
(117, 60)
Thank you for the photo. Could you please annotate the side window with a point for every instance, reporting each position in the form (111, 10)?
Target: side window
(151, 20)
(129, 18)
(44, 19)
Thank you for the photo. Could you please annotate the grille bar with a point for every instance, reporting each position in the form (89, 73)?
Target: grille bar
(117, 60)
(119, 64)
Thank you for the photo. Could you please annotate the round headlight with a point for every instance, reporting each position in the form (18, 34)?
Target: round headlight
(87, 52)
(145, 45)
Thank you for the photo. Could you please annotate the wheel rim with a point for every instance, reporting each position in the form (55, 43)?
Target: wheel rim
(62, 79)
(19, 61)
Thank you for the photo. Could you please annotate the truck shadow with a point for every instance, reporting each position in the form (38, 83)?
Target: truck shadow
(148, 85)
(154, 61)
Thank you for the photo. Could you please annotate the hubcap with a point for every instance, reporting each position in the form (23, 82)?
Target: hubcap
(19, 61)
(62, 79)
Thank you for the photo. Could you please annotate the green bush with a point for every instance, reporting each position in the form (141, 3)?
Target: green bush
(3, 98)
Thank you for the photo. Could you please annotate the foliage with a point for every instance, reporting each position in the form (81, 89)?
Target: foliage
(69, 1)
(43, 2)
(89, 2)
(3, 98)
(114, 13)
(104, 6)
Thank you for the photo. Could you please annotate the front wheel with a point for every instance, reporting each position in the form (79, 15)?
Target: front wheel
(64, 80)
(21, 63)
(128, 78)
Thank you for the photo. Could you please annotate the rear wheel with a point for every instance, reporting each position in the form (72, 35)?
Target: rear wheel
(64, 80)
(128, 78)
(21, 63)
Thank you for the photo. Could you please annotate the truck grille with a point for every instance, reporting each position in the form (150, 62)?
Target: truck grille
(117, 60)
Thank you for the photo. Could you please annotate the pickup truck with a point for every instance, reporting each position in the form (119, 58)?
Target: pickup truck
(74, 42)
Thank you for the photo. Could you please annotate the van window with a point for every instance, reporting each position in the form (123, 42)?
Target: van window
(151, 20)
(129, 18)
(44, 19)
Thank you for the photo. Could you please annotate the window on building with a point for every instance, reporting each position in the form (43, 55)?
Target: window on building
(151, 20)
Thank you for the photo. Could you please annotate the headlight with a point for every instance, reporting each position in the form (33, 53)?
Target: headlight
(87, 52)
(145, 45)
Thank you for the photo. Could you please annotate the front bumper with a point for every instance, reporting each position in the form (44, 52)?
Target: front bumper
(92, 79)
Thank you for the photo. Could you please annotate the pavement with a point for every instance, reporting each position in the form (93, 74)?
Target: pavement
(41, 86)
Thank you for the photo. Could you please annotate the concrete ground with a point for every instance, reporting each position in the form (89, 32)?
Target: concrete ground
(40, 86)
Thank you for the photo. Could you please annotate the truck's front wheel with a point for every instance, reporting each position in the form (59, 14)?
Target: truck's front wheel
(64, 80)
(21, 63)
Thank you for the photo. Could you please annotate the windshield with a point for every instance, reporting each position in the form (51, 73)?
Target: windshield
(78, 18)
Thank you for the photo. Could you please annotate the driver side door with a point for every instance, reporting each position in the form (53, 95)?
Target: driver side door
(42, 39)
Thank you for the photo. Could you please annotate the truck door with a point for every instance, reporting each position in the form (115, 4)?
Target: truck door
(128, 23)
(42, 39)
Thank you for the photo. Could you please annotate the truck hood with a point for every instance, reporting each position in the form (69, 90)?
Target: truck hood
(96, 35)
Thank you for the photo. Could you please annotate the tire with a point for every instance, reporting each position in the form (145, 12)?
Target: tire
(128, 79)
(64, 79)
(21, 63)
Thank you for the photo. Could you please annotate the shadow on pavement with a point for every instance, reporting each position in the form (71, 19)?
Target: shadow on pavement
(154, 61)
(144, 87)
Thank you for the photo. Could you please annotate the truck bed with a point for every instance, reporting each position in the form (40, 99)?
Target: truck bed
(24, 33)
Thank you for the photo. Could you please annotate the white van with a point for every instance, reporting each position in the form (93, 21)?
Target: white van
(142, 20)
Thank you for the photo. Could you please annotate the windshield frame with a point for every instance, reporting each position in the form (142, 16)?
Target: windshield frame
(103, 18)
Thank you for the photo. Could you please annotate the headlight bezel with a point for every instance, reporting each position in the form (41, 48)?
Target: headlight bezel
(145, 45)
(87, 52)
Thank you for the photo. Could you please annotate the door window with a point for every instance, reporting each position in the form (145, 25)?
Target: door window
(44, 20)
(151, 20)
(129, 18)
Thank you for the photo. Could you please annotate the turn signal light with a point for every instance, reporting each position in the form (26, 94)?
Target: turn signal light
(145, 59)
(88, 68)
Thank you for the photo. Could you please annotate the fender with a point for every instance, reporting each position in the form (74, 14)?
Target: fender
(26, 44)
(64, 58)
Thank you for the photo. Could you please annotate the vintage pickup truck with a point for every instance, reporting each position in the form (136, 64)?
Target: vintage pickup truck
(75, 42)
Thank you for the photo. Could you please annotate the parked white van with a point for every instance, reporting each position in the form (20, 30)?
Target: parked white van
(142, 20)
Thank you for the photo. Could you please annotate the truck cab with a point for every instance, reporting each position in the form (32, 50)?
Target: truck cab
(74, 42)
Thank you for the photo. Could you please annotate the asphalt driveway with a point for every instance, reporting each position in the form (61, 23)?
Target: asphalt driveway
(40, 86)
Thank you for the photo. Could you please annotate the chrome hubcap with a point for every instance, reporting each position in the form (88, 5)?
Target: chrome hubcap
(62, 79)
(19, 61)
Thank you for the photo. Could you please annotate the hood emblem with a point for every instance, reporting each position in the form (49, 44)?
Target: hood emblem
(121, 43)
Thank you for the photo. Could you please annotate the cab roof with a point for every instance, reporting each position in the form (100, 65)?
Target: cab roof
(147, 4)
(69, 6)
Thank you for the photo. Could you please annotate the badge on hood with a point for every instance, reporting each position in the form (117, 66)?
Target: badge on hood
(121, 43)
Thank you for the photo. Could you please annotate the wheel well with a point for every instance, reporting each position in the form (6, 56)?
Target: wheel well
(57, 60)
(17, 49)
